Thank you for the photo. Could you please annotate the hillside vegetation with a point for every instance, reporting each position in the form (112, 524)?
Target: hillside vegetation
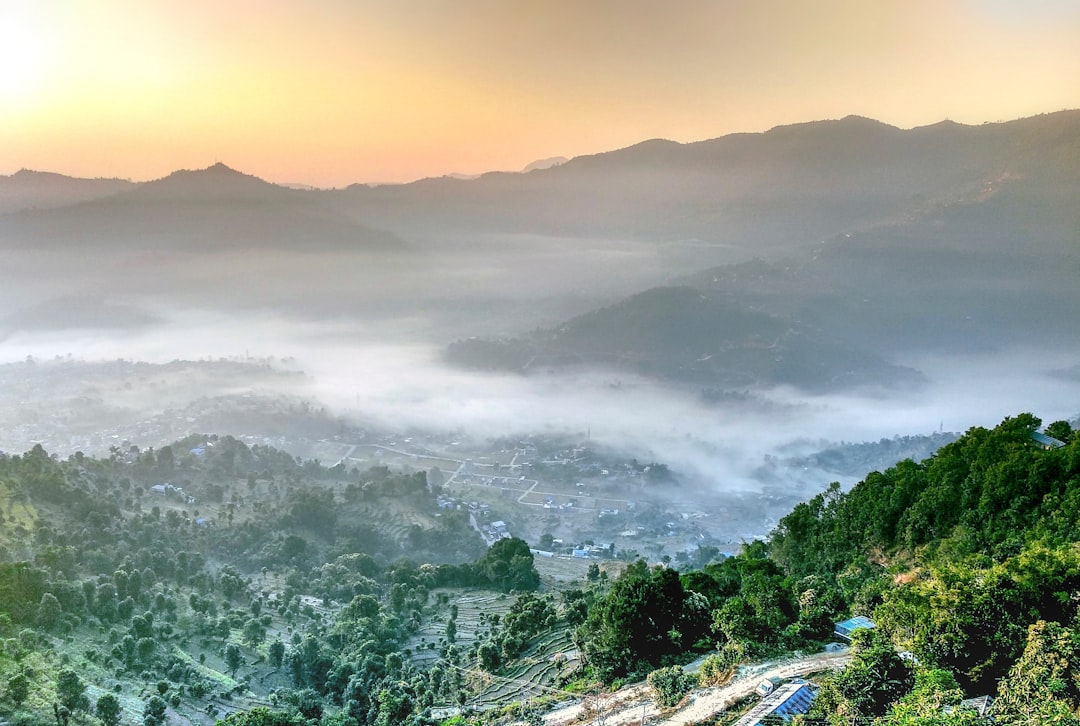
(285, 599)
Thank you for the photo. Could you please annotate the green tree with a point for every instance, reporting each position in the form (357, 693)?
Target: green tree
(233, 659)
(669, 685)
(874, 680)
(154, 711)
(637, 622)
(1060, 430)
(932, 701)
(276, 651)
(49, 611)
(18, 688)
(108, 709)
(253, 632)
(262, 716)
(71, 691)
(1043, 686)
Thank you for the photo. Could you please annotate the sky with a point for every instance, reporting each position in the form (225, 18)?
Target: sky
(332, 92)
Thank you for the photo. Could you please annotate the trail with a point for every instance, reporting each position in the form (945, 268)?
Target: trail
(633, 704)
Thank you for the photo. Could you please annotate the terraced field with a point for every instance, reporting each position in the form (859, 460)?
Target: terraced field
(534, 673)
(471, 604)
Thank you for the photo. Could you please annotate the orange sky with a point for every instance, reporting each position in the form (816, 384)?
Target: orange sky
(330, 92)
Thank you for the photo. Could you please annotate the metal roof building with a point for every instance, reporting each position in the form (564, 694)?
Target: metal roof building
(847, 627)
(1046, 442)
(786, 701)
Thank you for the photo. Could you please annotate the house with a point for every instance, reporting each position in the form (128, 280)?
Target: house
(784, 702)
(844, 629)
(979, 704)
(1046, 442)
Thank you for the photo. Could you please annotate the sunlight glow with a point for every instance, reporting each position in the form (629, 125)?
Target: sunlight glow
(24, 50)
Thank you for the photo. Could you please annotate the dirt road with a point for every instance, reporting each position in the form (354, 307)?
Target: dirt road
(633, 705)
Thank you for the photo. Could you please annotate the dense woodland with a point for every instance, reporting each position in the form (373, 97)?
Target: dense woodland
(260, 589)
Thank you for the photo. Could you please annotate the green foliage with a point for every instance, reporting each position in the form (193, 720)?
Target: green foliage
(154, 712)
(933, 701)
(508, 565)
(276, 653)
(716, 669)
(669, 685)
(638, 622)
(1044, 683)
(874, 680)
(18, 688)
(233, 659)
(71, 691)
(108, 709)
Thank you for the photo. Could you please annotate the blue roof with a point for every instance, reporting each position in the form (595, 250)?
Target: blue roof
(1046, 440)
(788, 700)
(852, 624)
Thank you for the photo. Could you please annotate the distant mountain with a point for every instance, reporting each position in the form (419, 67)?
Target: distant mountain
(27, 189)
(787, 188)
(681, 334)
(212, 208)
(214, 183)
(71, 312)
(545, 164)
(946, 238)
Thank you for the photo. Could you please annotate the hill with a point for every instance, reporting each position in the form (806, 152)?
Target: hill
(26, 189)
(212, 209)
(681, 334)
(780, 190)
(254, 586)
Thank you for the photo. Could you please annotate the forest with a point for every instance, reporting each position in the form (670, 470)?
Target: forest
(212, 581)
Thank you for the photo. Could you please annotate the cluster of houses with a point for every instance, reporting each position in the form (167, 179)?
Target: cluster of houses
(475, 508)
(173, 492)
(550, 503)
(593, 551)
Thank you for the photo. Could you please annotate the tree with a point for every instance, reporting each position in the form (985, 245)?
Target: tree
(18, 688)
(637, 623)
(71, 691)
(262, 716)
(154, 712)
(1043, 684)
(276, 651)
(253, 632)
(508, 565)
(108, 709)
(1060, 430)
(49, 611)
(932, 702)
(232, 657)
(875, 678)
(488, 655)
(669, 685)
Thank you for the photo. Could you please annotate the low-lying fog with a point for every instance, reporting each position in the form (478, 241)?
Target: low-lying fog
(387, 373)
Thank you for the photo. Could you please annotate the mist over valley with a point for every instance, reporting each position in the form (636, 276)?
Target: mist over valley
(714, 307)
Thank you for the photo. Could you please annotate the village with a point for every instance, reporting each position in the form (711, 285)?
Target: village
(565, 495)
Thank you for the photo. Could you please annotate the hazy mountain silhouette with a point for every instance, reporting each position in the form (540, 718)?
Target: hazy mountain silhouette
(682, 334)
(26, 189)
(791, 186)
(76, 312)
(213, 208)
(874, 243)
(545, 164)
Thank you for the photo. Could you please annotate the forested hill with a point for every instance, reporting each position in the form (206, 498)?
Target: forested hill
(279, 599)
(967, 561)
